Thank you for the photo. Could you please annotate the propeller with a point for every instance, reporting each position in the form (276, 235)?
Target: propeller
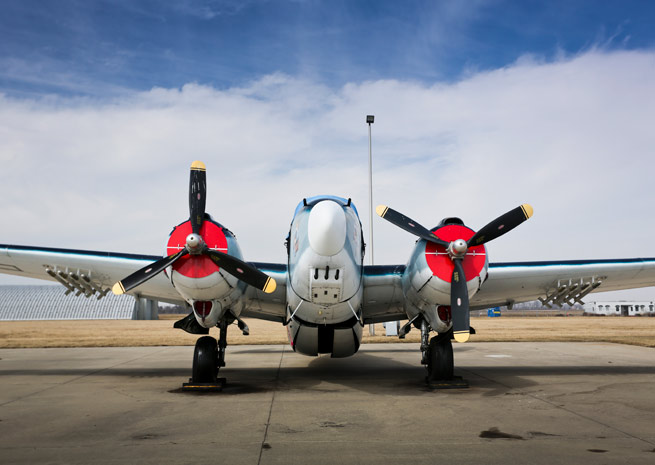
(459, 297)
(195, 245)
(197, 192)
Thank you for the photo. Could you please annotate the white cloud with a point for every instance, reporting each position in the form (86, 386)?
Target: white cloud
(573, 137)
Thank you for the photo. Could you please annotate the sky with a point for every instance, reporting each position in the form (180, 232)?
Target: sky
(480, 106)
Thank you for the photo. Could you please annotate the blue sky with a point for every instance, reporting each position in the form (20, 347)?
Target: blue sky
(480, 106)
(100, 48)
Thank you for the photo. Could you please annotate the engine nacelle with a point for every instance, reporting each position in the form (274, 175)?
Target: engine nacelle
(200, 281)
(427, 280)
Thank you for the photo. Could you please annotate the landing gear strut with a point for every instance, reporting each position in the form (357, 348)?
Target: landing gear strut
(208, 358)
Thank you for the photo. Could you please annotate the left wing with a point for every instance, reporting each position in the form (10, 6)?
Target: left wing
(561, 282)
(552, 282)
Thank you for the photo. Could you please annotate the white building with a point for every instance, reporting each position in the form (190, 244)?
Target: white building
(620, 308)
(47, 302)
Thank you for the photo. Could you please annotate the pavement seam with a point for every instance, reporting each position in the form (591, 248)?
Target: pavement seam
(270, 410)
(560, 407)
(79, 377)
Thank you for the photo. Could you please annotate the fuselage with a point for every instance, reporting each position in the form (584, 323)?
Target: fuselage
(324, 279)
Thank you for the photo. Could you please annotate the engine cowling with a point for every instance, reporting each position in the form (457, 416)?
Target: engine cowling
(198, 278)
(427, 283)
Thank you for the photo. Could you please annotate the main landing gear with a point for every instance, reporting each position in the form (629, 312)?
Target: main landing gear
(437, 356)
(208, 358)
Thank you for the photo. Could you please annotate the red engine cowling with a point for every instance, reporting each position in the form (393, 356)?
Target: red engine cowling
(439, 261)
(429, 274)
(197, 278)
(196, 266)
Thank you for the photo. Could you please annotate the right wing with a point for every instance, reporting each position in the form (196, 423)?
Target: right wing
(101, 269)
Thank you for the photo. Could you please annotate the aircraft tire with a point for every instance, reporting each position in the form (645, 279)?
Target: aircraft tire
(440, 359)
(205, 360)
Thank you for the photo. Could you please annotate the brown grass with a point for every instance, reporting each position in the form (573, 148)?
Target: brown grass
(127, 333)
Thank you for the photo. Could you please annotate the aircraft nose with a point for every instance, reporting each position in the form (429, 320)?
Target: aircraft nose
(326, 228)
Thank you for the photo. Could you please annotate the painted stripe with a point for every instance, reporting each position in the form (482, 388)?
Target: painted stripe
(125, 256)
(270, 285)
(198, 166)
(381, 210)
(461, 336)
(614, 261)
(118, 288)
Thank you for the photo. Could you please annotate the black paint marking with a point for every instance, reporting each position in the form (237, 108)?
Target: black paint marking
(597, 451)
(266, 446)
(495, 433)
(331, 424)
(142, 437)
(535, 434)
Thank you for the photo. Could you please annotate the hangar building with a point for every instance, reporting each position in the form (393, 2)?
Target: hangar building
(47, 302)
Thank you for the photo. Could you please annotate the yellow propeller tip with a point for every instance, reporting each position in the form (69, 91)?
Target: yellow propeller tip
(270, 286)
(461, 336)
(198, 165)
(118, 288)
(528, 210)
(381, 210)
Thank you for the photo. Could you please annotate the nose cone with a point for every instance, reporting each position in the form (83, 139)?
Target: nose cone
(326, 228)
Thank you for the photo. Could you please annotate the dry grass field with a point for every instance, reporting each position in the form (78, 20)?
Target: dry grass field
(127, 333)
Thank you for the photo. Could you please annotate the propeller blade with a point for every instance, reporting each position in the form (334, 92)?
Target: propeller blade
(408, 224)
(501, 225)
(197, 193)
(145, 273)
(242, 270)
(459, 303)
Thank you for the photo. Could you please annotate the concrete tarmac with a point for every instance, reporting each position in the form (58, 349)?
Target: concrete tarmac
(540, 403)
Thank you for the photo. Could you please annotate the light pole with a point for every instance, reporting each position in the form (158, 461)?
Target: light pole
(370, 119)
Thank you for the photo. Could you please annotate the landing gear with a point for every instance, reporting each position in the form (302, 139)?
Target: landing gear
(440, 358)
(437, 356)
(208, 358)
(205, 357)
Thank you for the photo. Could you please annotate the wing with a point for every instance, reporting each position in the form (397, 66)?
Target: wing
(94, 272)
(552, 282)
(271, 306)
(556, 283)
(383, 293)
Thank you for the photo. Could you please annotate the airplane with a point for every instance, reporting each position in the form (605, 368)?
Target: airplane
(324, 294)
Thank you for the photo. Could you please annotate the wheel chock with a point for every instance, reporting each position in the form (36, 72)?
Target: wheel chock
(216, 386)
(456, 383)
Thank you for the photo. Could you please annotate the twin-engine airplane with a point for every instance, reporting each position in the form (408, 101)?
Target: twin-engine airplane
(325, 294)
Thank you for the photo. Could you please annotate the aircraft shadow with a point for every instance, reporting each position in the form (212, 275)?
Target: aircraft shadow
(368, 371)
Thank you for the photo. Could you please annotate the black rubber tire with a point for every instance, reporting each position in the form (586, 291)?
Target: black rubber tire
(440, 359)
(205, 360)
